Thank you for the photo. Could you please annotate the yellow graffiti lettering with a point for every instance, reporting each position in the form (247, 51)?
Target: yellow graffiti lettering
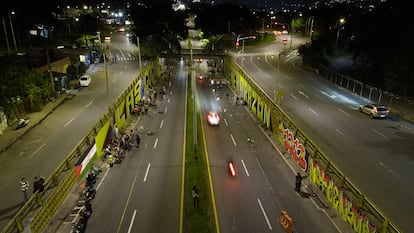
(120, 114)
(266, 116)
(254, 109)
(129, 104)
(338, 200)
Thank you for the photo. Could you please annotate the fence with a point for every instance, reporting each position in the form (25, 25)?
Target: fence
(397, 104)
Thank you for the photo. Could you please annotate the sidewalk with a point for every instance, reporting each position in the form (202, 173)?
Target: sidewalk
(11, 135)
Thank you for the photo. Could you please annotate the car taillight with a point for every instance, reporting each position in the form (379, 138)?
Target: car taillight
(232, 169)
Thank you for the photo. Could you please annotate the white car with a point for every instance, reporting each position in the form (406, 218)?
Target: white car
(84, 80)
(213, 118)
(374, 110)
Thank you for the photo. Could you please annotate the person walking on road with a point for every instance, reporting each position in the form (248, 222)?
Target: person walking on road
(196, 196)
(24, 187)
(298, 182)
(138, 140)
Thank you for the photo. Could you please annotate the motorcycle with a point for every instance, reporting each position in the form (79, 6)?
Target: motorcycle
(232, 168)
(22, 123)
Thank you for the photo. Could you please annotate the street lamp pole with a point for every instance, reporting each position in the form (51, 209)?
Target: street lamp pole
(243, 39)
(5, 34)
(139, 54)
(340, 28)
(139, 51)
(12, 30)
(337, 37)
(106, 68)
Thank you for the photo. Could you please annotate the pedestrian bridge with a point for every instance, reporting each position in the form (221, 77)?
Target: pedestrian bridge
(197, 53)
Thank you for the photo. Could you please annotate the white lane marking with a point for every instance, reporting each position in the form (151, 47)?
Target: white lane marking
(162, 122)
(165, 111)
(245, 168)
(156, 142)
(73, 118)
(89, 103)
(102, 180)
(344, 112)
(313, 112)
(146, 172)
(38, 149)
(67, 123)
(168, 100)
(132, 221)
(225, 121)
(294, 97)
(390, 170)
(264, 214)
(338, 131)
(380, 133)
(234, 141)
(303, 93)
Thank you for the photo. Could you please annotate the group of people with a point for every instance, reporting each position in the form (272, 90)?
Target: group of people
(115, 151)
(38, 186)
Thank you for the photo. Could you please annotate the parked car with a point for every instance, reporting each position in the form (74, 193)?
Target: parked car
(84, 80)
(374, 110)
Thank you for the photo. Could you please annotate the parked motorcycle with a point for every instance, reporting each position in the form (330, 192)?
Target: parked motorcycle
(22, 123)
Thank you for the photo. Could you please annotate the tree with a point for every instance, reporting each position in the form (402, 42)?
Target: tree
(380, 47)
(18, 82)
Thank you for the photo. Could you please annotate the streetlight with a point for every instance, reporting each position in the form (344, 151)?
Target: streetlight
(340, 28)
(45, 34)
(12, 30)
(243, 39)
(106, 68)
(309, 27)
(337, 36)
(139, 51)
(5, 34)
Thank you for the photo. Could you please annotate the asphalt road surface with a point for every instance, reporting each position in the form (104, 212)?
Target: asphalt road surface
(375, 153)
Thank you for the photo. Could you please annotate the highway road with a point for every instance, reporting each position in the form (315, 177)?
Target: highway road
(375, 153)
(143, 193)
(264, 185)
(44, 147)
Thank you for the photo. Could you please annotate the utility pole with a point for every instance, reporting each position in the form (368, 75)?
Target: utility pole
(106, 69)
(139, 52)
(5, 34)
(12, 30)
(49, 66)
(194, 91)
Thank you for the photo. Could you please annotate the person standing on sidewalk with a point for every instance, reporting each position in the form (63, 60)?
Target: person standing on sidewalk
(24, 187)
